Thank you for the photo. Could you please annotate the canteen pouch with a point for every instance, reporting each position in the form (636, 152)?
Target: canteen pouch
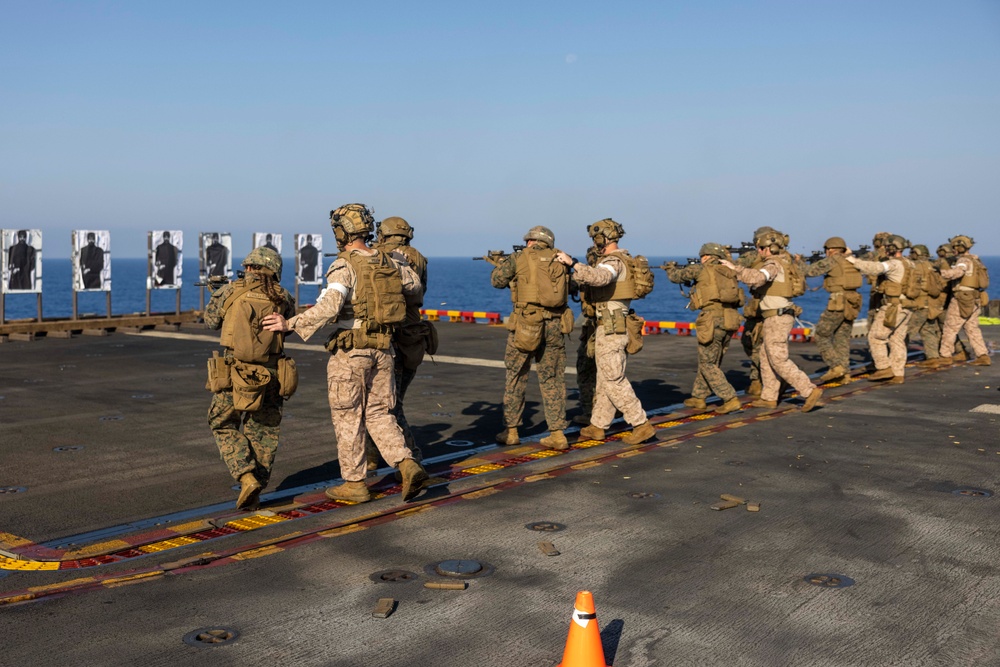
(633, 326)
(219, 377)
(288, 377)
(967, 302)
(852, 305)
(529, 331)
(249, 383)
(891, 315)
(704, 328)
(566, 322)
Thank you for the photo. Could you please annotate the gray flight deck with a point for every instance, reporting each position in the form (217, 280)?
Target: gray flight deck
(103, 439)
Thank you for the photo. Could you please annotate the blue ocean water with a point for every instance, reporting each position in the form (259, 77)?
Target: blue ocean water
(455, 283)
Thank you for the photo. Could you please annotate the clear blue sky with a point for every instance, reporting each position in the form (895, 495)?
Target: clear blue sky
(685, 121)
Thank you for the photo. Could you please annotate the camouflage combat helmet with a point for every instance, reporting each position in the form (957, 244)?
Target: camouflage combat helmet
(266, 259)
(395, 226)
(945, 249)
(880, 239)
(919, 250)
(541, 234)
(835, 242)
(774, 240)
(762, 230)
(961, 240)
(715, 250)
(896, 241)
(352, 220)
(606, 229)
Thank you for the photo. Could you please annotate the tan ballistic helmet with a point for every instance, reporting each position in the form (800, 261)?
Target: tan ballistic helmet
(774, 240)
(835, 242)
(896, 241)
(762, 230)
(395, 226)
(945, 249)
(920, 250)
(353, 219)
(961, 240)
(266, 259)
(715, 250)
(543, 234)
(606, 228)
(880, 239)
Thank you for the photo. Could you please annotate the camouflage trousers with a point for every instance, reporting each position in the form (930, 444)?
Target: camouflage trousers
(550, 358)
(832, 336)
(586, 368)
(775, 365)
(404, 376)
(959, 343)
(710, 378)
(751, 345)
(927, 330)
(613, 390)
(251, 449)
(954, 322)
(888, 346)
(361, 385)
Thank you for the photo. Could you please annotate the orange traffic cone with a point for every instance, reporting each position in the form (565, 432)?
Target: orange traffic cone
(583, 646)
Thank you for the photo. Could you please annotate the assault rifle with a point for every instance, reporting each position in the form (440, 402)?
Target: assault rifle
(494, 257)
(743, 248)
(215, 282)
(820, 254)
(675, 265)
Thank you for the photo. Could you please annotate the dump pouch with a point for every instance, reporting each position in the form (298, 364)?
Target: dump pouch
(731, 319)
(984, 299)
(530, 330)
(852, 305)
(968, 300)
(219, 378)
(752, 309)
(891, 315)
(249, 383)
(704, 328)
(288, 377)
(567, 320)
(633, 326)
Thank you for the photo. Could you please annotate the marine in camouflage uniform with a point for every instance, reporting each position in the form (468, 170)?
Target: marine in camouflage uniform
(772, 292)
(938, 311)
(923, 310)
(586, 367)
(248, 441)
(360, 373)
(751, 340)
(718, 320)
(887, 330)
(394, 235)
(611, 291)
(965, 306)
(832, 334)
(539, 289)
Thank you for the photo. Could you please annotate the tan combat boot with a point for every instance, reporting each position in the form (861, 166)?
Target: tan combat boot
(249, 491)
(884, 374)
(834, 373)
(508, 436)
(732, 405)
(591, 433)
(415, 478)
(813, 399)
(640, 433)
(930, 362)
(355, 491)
(755, 388)
(960, 356)
(695, 402)
(896, 379)
(761, 403)
(555, 440)
(982, 360)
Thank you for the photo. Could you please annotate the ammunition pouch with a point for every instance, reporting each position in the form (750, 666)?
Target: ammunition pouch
(752, 309)
(836, 302)
(288, 376)
(568, 320)
(613, 321)
(633, 327)
(219, 373)
(793, 310)
(852, 305)
(249, 384)
(341, 340)
(968, 301)
(731, 319)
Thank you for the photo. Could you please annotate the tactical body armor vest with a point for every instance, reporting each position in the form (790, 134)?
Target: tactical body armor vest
(378, 301)
(623, 289)
(539, 280)
(716, 286)
(978, 278)
(842, 276)
(242, 332)
(793, 285)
